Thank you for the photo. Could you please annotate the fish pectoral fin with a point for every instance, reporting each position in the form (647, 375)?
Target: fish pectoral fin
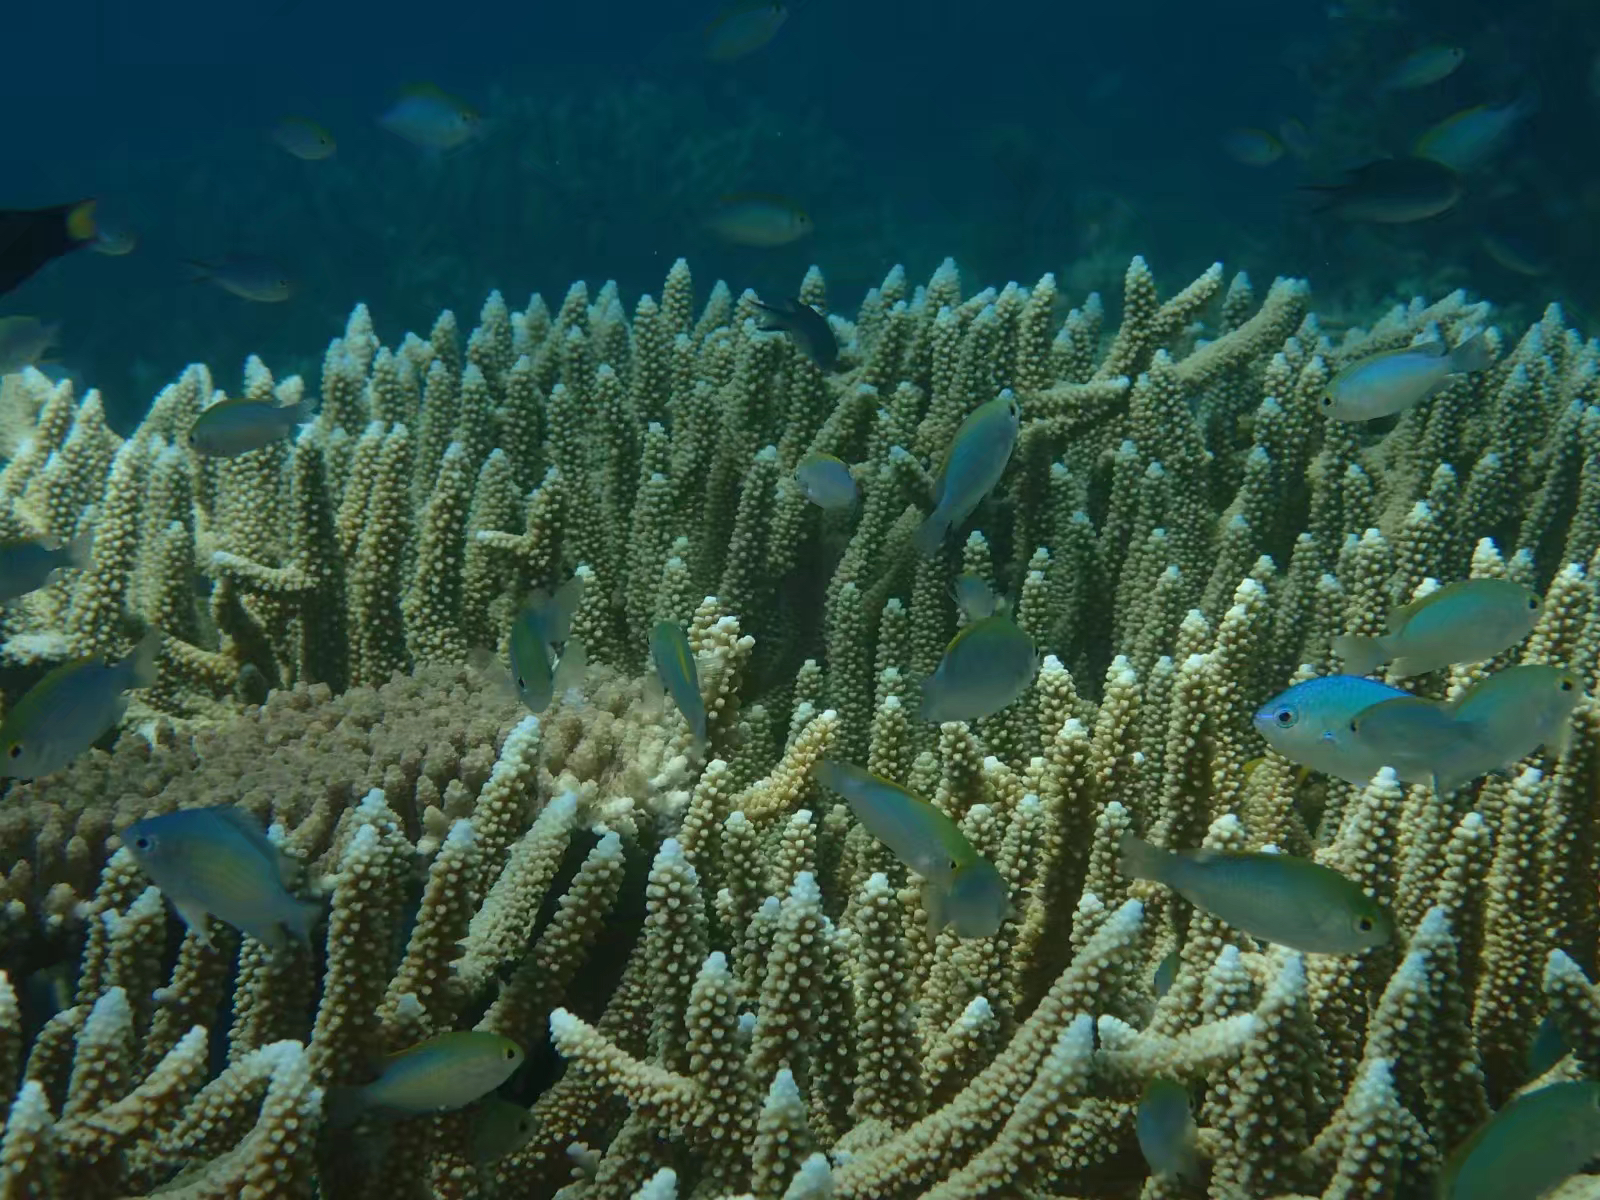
(194, 917)
(933, 905)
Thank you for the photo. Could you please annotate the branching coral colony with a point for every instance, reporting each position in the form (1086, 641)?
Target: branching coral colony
(1182, 534)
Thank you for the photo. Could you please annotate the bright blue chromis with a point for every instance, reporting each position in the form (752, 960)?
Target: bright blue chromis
(827, 482)
(27, 566)
(1166, 1131)
(70, 709)
(217, 862)
(1536, 1141)
(442, 1074)
(986, 667)
(973, 464)
(1400, 379)
(806, 327)
(239, 425)
(674, 661)
(1464, 622)
(1288, 901)
(960, 888)
(1309, 724)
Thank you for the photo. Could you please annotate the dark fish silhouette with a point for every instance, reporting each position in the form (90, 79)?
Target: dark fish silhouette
(807, 327)
(1391, 191)
(31, 237)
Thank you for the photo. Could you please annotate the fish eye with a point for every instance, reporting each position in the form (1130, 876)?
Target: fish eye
(954, 865)
(16, 750)
(1327, 400)
(511, 1053)
(521, 682)
(1285, 717)
(1533, 602)
(142, 842)
(1566, 685)
(1364, 924)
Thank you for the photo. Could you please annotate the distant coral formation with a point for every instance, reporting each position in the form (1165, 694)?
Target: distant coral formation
(739, 980)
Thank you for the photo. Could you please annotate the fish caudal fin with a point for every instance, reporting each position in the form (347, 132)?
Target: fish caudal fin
(301, 919)
(1361, 655)
(1138, 859)
(80, 549)
(1473, 354)
(931, 533)
(571, 668)
(142, 664)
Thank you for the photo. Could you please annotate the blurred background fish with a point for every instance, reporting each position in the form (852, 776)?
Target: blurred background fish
(431, 119)
(1422, 67)
(743, 28)
(756, 219)
(1391, 191)
(303, 138)
(32, 237)
(1252, 147)
(24, 342)
(246, 276)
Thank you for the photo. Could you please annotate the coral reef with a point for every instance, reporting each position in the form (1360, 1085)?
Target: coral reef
(727, 988)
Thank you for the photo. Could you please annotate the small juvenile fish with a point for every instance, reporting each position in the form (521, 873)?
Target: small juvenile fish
(669, 647)
(753, 219)
(248, 278)
(32, 237)
(743, 29)
(1252, 147)
(961, 888)
(827, 482)
(239, 425)
(975, 598)
(1536, 1141)
(1391, 191)
(1463, 622)
(1512, 713)
(442, 1074)
(543, 624)
(71, 709)
(976, 458)
(499, 1128)
(1288, 901)
(1310, 724)
(1294, 135)
(432, 119)
(1422, 67)
(807, 328)
(114, 241)
(986, 667)
(1396, 380)
(1166, 973)
(1471, 137)
(304, 139)
(23, 342)
(27, 566)
(217, 862)
(1166, 1130)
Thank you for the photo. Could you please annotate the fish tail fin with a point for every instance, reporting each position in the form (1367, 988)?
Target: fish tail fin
(1404, 668)
(80, 549)
(931, 533)
(302, 414)
(1361, 655)
(933, 897)
(143, 664)
(300, 919)
(1138, 859)
(1474, 354)
(485, 662)
(558, 608)
(571, 668)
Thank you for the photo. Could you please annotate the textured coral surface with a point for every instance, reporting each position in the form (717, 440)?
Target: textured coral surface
(724, 985)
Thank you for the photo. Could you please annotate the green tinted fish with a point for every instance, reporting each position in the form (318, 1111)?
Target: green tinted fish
(972, 465)
(1414, 736)
(1463, 622)
(1391, 191)
(975, 598)
(70, 709)
(538, 628)
(986, 666)
(743, 29)
(1309, 724)
(442, 1074)
(674, 660)
(1288, 901)
(1252, 147)
(27, 566)
(239, 425)
(1512, 713)
(961, 888)
(1536, 1141)
(431, 119)
(1294, 135)
(1549, 1046)
(114, 241)
(807, 328)
(248, 278)
(499, 1128)
(1422, 67)
(217, 862)
(24, 342)
(1166, 972)
(1400, 379)
(1166, 1130)
(1471, 137)
(827, 482)
(304, 139)
(754, 219)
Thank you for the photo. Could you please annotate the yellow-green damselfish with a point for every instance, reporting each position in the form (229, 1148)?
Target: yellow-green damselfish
(1464, 622)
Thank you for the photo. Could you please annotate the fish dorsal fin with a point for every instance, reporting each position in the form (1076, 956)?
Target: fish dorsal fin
(246, 824)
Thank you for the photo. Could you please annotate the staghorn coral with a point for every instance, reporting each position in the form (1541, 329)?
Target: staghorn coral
(737, 979)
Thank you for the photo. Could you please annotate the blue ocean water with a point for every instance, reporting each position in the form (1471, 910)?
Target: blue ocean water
(1018, 138)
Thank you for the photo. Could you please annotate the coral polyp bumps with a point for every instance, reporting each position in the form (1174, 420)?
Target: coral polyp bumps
(723, 985)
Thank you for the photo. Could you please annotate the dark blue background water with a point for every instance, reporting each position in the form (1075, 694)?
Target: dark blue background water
(1020, 138)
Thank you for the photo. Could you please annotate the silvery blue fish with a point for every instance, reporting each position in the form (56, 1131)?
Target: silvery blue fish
(1463, 622)
(237, 426)
(986, 667)
(442, 1074)
(827, 482)
(674, 660)
(1309, 724)
(1396, 380)
(27, 566)
(1166, 1130)
(973, 464)
(1536, 1141)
